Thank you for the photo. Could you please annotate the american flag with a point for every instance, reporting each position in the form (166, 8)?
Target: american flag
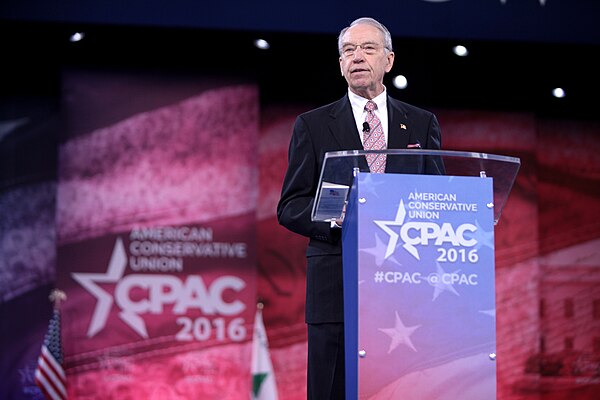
(49, 375)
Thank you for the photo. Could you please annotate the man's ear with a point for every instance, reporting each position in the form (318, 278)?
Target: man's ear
(390, 61)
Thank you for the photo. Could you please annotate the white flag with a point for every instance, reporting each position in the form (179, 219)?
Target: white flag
(264, 386)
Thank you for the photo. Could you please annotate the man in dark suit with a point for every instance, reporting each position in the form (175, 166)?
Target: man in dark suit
(366, 55)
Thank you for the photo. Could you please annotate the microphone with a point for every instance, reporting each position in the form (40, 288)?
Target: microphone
(366, 127)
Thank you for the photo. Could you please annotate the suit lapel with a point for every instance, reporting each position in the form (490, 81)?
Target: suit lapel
(399, 133)
(343, 127)
(399, 128)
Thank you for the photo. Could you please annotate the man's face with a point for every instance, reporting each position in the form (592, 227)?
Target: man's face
(364, 60)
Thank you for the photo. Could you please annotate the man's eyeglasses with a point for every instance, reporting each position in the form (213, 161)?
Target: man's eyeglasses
(349, 49)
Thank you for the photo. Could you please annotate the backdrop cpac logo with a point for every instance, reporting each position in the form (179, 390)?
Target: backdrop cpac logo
(161, 289)
(420, 233)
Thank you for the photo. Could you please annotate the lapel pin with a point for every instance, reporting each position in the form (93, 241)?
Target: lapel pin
(402, 126)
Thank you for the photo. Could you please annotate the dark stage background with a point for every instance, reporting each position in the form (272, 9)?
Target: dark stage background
(101, 136)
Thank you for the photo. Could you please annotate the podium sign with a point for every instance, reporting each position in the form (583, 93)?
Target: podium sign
(418, 254)
(419, 287)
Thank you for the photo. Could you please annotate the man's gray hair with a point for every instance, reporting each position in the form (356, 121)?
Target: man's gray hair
(387, 37)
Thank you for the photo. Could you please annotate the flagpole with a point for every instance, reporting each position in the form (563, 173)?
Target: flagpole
(264, 386)
(50, 376)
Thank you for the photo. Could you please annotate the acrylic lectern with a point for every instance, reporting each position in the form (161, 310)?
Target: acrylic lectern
(418, 259)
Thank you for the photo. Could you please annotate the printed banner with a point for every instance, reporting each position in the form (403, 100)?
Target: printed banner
(167, 310)
(156, 231)
(426, 287)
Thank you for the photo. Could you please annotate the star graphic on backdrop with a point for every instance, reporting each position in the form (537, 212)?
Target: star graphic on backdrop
(370, 185)
(483, 238)
(400, 334)
(9, 126)
(438, 285)
(377, 251)
(90, 281)
(491, 312)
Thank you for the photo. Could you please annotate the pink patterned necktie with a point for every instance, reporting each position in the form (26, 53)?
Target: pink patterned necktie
(374, 139)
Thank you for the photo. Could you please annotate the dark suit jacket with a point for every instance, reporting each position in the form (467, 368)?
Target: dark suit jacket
(332, 128)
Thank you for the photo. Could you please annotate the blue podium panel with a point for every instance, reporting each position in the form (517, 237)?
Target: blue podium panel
(419, 291)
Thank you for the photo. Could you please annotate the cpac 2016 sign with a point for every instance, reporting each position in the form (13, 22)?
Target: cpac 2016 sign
(202, 306)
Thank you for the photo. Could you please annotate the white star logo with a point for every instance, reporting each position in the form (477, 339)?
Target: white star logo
(89, 281)
(385, 225)
(400, 334)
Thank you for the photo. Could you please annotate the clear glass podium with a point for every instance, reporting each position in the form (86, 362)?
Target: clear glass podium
(339, 168)
(418, 259)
